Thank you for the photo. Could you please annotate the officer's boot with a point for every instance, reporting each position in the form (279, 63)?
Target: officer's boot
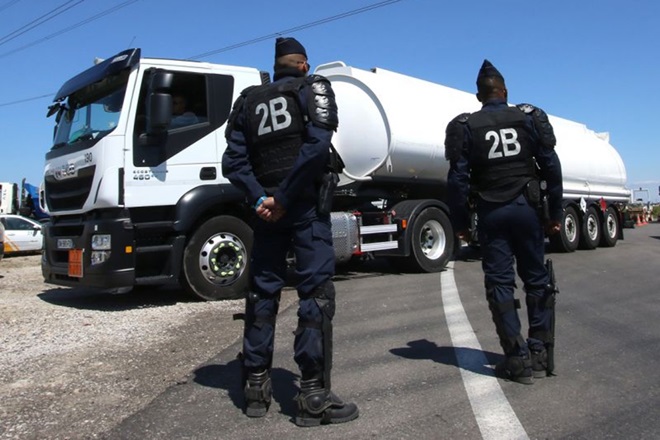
(317, 406)
(539, 362)
(516, 368)
(258, 392)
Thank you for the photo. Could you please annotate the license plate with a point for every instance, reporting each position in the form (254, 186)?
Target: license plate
(64, 243)
(76, 263)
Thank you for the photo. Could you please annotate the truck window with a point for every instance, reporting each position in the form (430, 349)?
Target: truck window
(201, 104)
(189, 101)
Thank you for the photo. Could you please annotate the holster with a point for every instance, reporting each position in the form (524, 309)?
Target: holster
(537, 196)
(533, 193)
(327, 188)
(329, 182)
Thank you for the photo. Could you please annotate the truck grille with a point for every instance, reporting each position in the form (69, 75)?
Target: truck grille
(69, 194)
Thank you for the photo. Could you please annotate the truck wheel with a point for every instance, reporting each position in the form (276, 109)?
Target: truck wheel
(568, 238)
(215, 261)
(610, 233)
(432, 241)
(590, 234)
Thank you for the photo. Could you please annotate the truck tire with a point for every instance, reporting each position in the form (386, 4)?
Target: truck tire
(610, 230)
(215, 261)
(432, 241)
(591, 232)
(568, 238)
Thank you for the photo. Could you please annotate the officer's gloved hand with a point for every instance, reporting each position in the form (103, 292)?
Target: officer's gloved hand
(552, 227)
(463, 234)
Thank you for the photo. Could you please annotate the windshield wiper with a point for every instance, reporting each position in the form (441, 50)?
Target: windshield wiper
(84, 136)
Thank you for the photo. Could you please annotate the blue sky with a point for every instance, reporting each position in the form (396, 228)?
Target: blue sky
(593, 61)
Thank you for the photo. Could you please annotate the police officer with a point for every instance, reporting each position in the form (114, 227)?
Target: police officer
(278, 149)
(499, 155)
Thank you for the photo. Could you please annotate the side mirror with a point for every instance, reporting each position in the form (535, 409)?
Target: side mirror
(159, 102)
(52, 109)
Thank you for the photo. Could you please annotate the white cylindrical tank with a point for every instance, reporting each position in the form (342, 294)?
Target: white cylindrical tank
(591, 167)
(392, 126)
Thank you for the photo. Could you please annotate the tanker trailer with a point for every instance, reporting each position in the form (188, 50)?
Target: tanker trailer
(594, 179)
(391, 140)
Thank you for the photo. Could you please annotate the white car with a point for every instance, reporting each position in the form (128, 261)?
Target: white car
(22, 235)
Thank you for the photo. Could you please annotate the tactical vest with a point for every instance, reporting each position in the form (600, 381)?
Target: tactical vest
(502, 155)
(275, 129)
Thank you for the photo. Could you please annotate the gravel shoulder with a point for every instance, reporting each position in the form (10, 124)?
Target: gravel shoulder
(74, 363)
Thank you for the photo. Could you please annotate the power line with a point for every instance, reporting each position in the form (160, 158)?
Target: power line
(38, 21)
(224, 49)
(8, 4)
(70, 28)
(297, 28)
(20, 101)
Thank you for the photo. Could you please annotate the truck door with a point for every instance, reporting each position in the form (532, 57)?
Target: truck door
(164, 167)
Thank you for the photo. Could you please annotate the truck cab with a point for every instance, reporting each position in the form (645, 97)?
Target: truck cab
(125, 187)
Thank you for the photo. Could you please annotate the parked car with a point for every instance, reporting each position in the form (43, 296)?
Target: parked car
(22, 235)
(2, 240)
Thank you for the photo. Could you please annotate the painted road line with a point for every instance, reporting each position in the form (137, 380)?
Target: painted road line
(493, 413)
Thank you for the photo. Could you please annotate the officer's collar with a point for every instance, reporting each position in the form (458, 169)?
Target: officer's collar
(494, 101)
(287, 71)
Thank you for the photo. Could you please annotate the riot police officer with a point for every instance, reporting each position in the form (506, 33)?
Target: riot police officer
(279, 142)
(499, 155)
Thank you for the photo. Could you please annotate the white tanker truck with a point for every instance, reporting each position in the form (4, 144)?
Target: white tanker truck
(134, 201)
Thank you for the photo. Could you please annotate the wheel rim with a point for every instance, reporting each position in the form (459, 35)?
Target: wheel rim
(223, 259)
(592, 227)
(610, 224)
(571, 228)
(432, 240)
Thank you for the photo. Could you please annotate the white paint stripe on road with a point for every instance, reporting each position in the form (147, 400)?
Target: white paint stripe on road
(494, 415)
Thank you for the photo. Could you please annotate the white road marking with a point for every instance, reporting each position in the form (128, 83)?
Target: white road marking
(494, 415)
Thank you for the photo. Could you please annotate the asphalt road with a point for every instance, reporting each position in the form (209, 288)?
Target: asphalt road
(416, 351)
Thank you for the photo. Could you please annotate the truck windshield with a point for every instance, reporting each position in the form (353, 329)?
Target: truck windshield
(91, 112)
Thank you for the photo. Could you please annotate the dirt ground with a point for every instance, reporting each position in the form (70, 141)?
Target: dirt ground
(74, 363)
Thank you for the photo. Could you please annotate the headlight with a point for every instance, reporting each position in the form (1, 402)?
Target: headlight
(101, 242)
(98, 257)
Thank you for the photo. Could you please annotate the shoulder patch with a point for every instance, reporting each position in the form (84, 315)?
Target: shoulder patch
(462, 118)
(541, 123)
(526, 108)
(315, 78)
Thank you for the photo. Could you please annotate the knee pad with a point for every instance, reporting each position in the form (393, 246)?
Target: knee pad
(324, 295)
(511, 344)
(320, 303)
(540, 306)
(260, 310)
(324, 298)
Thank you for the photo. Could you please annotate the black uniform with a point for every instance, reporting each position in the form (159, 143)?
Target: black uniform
(499, 154)
(278, 144)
